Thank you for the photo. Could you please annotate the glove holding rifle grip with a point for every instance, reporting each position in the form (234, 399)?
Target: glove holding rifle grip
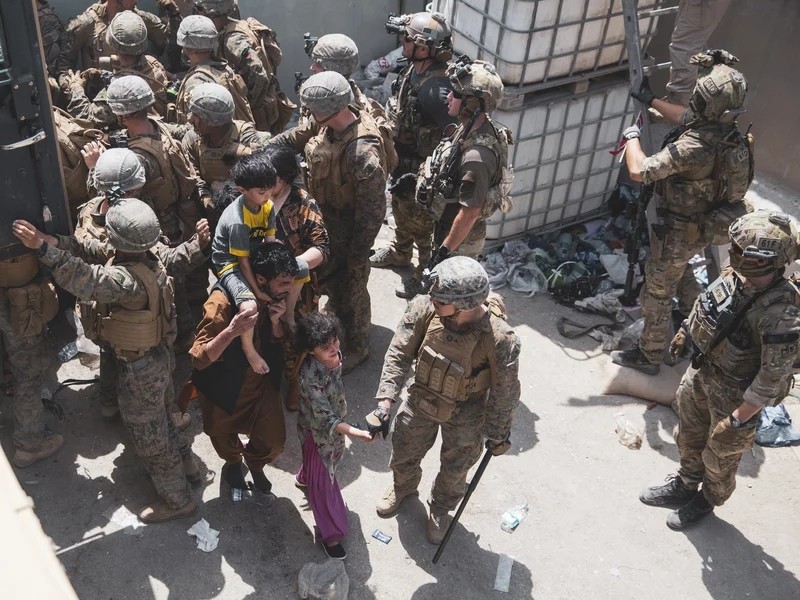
(378, 420)
(644, 94)
(678, 343)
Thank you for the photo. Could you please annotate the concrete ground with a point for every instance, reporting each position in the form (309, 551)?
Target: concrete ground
(586, 536)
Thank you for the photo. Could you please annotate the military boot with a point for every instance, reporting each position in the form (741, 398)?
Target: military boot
(49, 446)
(438, 523)
(409, 288)
(694, 511)
(384, 258)
(390, 501)
(160, 512)
(672, 492)
(635, 359)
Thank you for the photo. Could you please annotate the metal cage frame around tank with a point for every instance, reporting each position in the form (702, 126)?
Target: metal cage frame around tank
(493, 54)
(549, 217)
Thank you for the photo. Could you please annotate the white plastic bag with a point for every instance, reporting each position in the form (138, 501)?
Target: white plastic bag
(323, 581)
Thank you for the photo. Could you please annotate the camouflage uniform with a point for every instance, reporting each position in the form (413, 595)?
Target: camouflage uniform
(480, 169)
(87, 38)
(90, 243)
(53, 35)
(29, 361)
(215, 72)
(419, 114)
(97, 111)
(213, 163)
(753, 364)
(171, 12)
(685, 167)
(486, 410)
(242, 47)
(145, 383)
(347, 179)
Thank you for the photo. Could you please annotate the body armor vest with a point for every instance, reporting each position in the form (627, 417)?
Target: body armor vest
(72, 135)
(219, 73)
(720, 307)
(724, 178)
(149, 69)
(412, 129)
(451, 367)
(91, 55)
(497, 196)
(330, 183)
(87, 226)
(215, 163)
(134, 328)
(176, 178)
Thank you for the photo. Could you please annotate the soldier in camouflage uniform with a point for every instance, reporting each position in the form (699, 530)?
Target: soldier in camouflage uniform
(217, 141)
(744, 332)
(172, 184)
(135, 315)
(466, 382)
(86, 39)
(251, 48)
(53, 35)
(701, 176)
(127, 37)
(480, 185)
(27, 302)
(172, 13)
(339, 53)
(198, 38)
(418, 112)
(347, 177)
(118, 172)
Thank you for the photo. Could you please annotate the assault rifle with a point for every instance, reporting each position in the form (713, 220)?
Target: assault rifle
(444, 177)
(635, 212)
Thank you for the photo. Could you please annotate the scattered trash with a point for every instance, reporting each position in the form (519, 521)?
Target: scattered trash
(502, 580)
(775, 428)
(240, 495)
(630, 336)
(527, 278)
(381, 537)
(68, 352)
(323, 581)
(124, 518)
(606, 303)
(514, 516)
(629, 434)
(207, 538)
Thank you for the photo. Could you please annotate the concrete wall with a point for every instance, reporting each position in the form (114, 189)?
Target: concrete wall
(765, 35)
(360, 19)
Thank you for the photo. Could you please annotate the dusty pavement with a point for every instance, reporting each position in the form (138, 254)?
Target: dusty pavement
(586, 536)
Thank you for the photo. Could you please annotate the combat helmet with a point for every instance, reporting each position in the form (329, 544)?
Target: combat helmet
(118, 169)
(132, 226)
(768, 237)
(460, 281)
(720, 89)
(431, 29)
(212, 103)
(214, 8)
(127, 34)
(197, 32)
(326, 93)
(129, 94)
(335, 52)
(476, 79)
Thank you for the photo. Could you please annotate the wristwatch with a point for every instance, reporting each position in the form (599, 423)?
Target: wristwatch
(736, 423)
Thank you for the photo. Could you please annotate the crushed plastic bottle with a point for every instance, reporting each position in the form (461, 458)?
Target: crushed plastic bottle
(514, 516)
(68, 352)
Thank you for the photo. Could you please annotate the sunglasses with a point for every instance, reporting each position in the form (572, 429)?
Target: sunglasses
(457, 95)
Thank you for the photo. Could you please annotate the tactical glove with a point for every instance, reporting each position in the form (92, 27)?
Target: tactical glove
(678, 343)
(631, 133)
(498, 448)
(378, 422)
(441, 254)
(644, 94)
(405, 185)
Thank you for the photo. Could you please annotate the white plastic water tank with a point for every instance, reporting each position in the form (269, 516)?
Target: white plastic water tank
(563, 166)
(533, 41)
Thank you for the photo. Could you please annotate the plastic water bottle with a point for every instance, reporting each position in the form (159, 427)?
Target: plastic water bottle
(68, 352)
(514, 516)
